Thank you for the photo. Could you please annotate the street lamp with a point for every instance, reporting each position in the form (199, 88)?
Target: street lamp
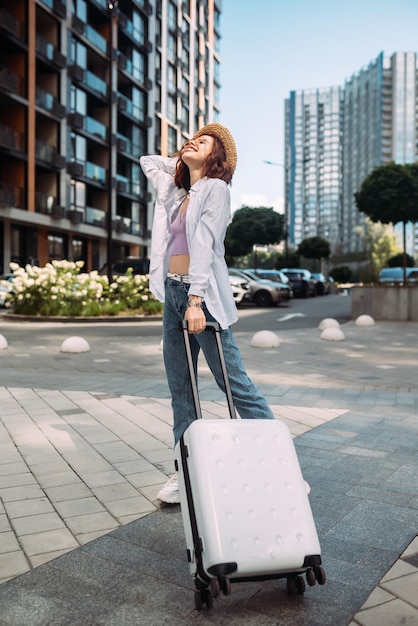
(113, 14)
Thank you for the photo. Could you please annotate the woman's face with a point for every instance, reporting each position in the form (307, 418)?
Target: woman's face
(196, 151)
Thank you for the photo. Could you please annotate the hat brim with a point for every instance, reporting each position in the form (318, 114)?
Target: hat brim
(225, 137)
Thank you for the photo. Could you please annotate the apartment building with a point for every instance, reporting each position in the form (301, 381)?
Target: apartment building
(86, 88)
(313, 164)
(370, 121)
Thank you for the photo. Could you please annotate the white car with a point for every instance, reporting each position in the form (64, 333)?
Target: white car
(240, 289)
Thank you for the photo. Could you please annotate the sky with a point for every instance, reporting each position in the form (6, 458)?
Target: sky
(271, 47)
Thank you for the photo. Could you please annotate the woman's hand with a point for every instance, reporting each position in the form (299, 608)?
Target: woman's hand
(196, 320)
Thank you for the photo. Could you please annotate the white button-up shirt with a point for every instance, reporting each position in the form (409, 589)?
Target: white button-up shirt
(207, 218)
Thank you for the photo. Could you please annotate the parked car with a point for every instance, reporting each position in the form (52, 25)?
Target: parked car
(395, 274)
(322, 284)
(303, 283)
(240, 289)
(275, 275)
(138, 265)
(261, 292)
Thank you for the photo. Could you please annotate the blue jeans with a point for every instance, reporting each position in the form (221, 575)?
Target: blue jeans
(249, 403)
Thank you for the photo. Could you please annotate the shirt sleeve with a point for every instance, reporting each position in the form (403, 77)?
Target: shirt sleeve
(208, 239)
(158, 169)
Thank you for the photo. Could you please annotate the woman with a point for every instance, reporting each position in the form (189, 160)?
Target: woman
(189, 274)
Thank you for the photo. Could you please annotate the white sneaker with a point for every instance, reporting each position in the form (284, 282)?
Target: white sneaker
(170, 492)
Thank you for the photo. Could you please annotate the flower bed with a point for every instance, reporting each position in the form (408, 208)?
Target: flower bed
(60, 289)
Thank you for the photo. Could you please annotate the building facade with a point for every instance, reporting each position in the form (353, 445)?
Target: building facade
(86, 88)
(377, 123)
(313, 164)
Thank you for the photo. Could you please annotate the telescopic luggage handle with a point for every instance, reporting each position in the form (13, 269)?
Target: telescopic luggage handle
(216, 330)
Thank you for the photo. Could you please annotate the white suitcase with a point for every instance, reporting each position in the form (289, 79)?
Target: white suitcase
(245, 508)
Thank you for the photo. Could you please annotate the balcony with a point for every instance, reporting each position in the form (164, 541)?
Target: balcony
(11, 82)
(75, 216)
(95, 172)
(49, 154)
(46, 50)
(122, 224)
(56, 5)
(11, 139)
(93, 127)
(11, 196)
(44, 202)
(11, 25)
(96, 39)
(96, 84)
(48, 102)
(95, 217)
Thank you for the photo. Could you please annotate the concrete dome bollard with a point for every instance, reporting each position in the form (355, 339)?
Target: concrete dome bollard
(265, 339)
(365, 320)
(75, 344)
(332, 334)
(328, 322)
(3, 343)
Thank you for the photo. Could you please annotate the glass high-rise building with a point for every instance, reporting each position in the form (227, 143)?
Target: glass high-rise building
(86, 88)
(313, 164)
(377, 123)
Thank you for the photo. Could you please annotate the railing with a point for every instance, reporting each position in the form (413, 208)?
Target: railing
(11, 82)
(47, 101)
(11, 24)
(10, 138)
(11, 196)
(95, 172)
(96, 83)
(44, 202)
(95, 217)
(94, 127)
(45, 151)
(96, 39)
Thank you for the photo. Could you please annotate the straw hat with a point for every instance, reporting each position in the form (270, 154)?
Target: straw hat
(227, 141)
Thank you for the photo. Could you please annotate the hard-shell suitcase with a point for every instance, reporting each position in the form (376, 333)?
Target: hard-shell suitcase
(244, 503)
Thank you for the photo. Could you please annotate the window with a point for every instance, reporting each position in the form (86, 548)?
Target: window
(138, 104)
(78, 101)
(138, 27)
(78, 148)
(78, 54)
(77, 195)
(57, 246)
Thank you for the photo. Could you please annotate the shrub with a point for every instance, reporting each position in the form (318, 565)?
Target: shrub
(60, 289)
(342, 274)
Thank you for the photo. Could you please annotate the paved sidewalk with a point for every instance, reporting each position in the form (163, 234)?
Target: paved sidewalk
(85, 444)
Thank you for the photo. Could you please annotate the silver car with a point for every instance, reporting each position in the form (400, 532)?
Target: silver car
(262, 292)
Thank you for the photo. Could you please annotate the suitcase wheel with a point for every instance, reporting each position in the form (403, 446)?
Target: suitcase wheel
(320, 574)
(201, 597)
(225, 585)
(310, 577)
(215, 588)
(295, 585)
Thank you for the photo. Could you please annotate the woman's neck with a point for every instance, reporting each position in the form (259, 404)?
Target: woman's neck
(195, 175)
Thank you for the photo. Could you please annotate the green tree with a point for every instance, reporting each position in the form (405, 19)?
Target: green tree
(314, 248)
(252, 226)
(389, 194)
(398, 259)
(379, 242)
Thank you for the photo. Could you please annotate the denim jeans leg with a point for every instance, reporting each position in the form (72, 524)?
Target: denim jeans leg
(175, 361)
(248, 401)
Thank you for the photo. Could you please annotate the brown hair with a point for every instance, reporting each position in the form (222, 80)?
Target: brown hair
(215, 166)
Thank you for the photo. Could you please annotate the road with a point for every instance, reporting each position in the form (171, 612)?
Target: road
(297, 314)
